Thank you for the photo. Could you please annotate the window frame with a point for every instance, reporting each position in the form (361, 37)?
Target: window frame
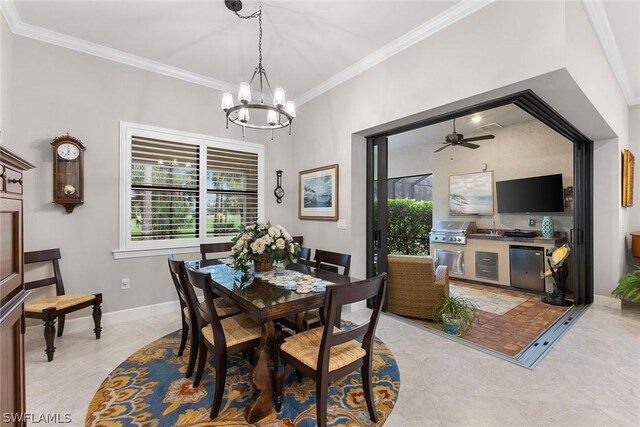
(128, 248)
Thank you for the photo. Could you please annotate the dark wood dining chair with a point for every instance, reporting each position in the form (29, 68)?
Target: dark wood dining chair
(191, 325)
(303, 256)
(212, 248)
(327, 353)
(222, 337)
(331, 261)
(57, 307)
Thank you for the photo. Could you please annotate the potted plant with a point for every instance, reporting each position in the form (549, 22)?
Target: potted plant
(628, 290)
(263, 244)
(455, 314)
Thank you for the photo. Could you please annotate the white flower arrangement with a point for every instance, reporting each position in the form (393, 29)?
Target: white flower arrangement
(262, 238)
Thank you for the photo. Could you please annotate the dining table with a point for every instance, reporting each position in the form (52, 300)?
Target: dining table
(266, 301)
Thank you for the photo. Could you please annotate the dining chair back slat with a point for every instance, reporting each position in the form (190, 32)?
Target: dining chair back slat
(337, 296)
(212, 248)
(331, 261)
(209, 314)
(188, 302)
(177, 276)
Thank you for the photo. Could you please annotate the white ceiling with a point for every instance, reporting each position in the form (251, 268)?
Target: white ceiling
(505, 116)
(309, 46)
(304, 42)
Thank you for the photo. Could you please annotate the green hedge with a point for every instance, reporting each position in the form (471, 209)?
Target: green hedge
(408, 220)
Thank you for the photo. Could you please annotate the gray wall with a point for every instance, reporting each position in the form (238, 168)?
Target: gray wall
(57, 90)
(6, 48)
(518, 151)
(501, 49)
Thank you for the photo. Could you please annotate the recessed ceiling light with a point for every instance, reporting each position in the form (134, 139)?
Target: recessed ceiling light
(476, 119)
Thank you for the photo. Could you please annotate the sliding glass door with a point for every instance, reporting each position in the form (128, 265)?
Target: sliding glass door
(377, 209)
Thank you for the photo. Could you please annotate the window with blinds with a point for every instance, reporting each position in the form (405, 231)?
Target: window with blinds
(165, 190)
(232, 191)
(179, 189)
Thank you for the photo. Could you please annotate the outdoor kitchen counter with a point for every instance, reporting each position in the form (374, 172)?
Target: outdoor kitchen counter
(481, 246)
(545, 241)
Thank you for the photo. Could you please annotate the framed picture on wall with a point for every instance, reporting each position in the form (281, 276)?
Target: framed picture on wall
(471, 194)
(628, 166)
(318, 192)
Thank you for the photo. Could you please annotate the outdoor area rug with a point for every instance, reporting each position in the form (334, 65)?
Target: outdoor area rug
(486, 300)
(150, 389)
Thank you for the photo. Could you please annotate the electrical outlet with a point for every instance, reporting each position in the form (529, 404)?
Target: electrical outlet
(126, 284)
(532, 222)
(342, 223)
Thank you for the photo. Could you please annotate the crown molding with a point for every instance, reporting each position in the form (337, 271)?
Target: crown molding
(453, 14)
(594, 9)
(602, 27)
(448, 17)
(21, 28)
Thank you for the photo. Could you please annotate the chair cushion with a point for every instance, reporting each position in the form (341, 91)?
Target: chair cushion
(305, 347)
(237, 329)
(223, 307)
(59, 302)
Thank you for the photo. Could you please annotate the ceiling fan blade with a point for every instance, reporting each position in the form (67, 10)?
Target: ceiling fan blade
(468, 145)
(441, 142)
(440, 149)
(478, 138)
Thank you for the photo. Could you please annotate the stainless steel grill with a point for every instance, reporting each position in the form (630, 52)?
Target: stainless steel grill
(453, 232)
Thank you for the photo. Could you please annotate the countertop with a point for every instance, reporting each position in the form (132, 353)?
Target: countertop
(559, 240)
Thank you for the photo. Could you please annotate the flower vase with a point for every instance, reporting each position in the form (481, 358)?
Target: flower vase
(263, 263)
(547, 227)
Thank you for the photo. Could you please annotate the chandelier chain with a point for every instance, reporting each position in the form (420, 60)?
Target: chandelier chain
(256, 14)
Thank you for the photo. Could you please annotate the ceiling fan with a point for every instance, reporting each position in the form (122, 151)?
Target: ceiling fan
(455, 138)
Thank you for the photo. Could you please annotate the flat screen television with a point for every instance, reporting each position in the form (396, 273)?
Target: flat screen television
(526, 195)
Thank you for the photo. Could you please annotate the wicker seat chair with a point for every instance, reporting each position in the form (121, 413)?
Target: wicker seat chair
(414, 288)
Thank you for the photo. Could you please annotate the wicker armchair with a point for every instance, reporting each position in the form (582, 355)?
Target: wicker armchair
(413, 288)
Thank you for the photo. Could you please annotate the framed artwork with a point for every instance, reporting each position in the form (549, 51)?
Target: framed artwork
(628, 165)
(318, 193)
(471, 194)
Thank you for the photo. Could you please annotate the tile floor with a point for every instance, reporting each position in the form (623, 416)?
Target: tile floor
(591, 377)
(511, 332)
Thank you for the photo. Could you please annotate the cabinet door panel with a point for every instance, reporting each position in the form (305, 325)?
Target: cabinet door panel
(10, 248)
(12, 365)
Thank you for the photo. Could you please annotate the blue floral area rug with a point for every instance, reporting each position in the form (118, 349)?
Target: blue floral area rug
(150, 389)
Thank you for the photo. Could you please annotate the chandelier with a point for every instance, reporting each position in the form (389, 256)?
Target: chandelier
(262, 115)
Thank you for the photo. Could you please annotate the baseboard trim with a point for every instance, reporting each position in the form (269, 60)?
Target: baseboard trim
(120, 316)
(606, 301)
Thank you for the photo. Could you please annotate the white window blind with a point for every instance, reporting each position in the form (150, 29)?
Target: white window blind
(164, 190)
(232, 191)
(179, 189)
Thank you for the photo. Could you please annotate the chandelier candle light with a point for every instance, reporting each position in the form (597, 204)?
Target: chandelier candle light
(279, 115)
